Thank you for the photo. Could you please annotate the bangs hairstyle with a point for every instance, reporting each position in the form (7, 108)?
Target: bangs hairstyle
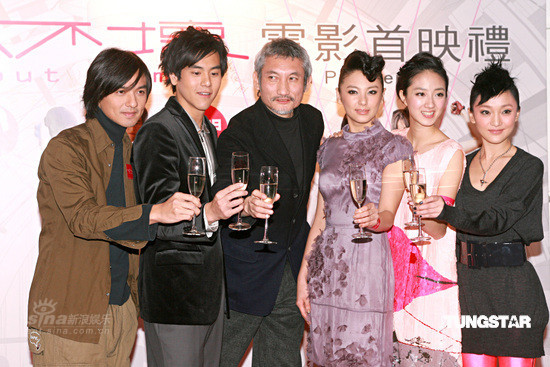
(111, 70)
(492, 81)
(370, 66)
(286, 48)
(188, 47)
(419, 63)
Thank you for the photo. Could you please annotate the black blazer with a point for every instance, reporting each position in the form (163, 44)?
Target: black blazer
(253, 278)
(180, 278)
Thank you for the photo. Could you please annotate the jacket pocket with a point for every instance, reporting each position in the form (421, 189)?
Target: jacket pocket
(179, 257)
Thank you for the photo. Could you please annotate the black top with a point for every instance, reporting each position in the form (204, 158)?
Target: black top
(510, 208)
(289, 130)
(118, 255)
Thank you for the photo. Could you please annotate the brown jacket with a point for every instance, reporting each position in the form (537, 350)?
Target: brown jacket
(69, 294)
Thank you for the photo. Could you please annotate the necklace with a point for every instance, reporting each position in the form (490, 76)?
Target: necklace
(483, 182)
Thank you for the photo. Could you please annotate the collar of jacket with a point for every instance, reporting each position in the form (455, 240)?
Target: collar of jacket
(100, 138)
(176, 109)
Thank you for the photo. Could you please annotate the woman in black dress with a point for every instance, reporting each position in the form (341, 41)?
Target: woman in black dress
(498, 211)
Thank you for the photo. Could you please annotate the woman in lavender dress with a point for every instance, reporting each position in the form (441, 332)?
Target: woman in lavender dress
(345, 287)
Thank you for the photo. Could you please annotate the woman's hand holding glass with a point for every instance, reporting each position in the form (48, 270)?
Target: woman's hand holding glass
(367, 216)
(358, 188)
(410, 174)
(431, 207)
(418, 195)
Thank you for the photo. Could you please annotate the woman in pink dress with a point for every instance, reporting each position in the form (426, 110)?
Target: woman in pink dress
(426, 309)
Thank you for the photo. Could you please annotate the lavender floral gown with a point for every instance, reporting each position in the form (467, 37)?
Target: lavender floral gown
(350, 284)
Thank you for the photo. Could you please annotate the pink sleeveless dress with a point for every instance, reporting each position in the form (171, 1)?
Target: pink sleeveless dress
(426, 307)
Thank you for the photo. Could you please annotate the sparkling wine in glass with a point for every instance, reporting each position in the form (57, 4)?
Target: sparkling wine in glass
(239, 174)
(269, 179)
(196, 179)
(418, 194)
(358, 187)
(409, 174)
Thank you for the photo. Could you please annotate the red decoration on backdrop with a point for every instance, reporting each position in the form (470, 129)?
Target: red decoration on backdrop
(216, 118)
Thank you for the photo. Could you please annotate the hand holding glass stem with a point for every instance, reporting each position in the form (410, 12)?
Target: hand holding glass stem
(269, 179)
(418, 193)
(196, 179)
(358, 187)
(409, 173)
(239, 174)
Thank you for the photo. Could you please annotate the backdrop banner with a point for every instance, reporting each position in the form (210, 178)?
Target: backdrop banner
(47, 46)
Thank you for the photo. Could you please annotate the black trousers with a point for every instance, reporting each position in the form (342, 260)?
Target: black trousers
(276, 337)
(184, 345)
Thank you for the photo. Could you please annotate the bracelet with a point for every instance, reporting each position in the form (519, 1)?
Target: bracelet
(377, 224)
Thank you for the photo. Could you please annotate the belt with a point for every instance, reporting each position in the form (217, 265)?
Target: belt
(490, 254)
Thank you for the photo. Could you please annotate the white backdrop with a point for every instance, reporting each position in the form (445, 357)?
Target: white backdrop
(46, 47)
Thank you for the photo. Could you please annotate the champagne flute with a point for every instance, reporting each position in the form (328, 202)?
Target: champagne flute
(269, 179)
(418, 194)
(239, 174)
(358, 186)
(196, 178)
(409, 173)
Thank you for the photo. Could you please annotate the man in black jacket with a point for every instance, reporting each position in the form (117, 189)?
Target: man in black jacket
(276, 131)
(181, 278)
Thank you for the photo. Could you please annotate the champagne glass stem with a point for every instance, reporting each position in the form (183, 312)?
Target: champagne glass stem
(239, 220)
(420, 234)
(193, 228)
(265, 230)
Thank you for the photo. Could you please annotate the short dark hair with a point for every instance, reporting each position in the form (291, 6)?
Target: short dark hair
(419, 63)
(491, 82)
(370, 66)
(110, 70)
(188, 47)
(283, 47)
